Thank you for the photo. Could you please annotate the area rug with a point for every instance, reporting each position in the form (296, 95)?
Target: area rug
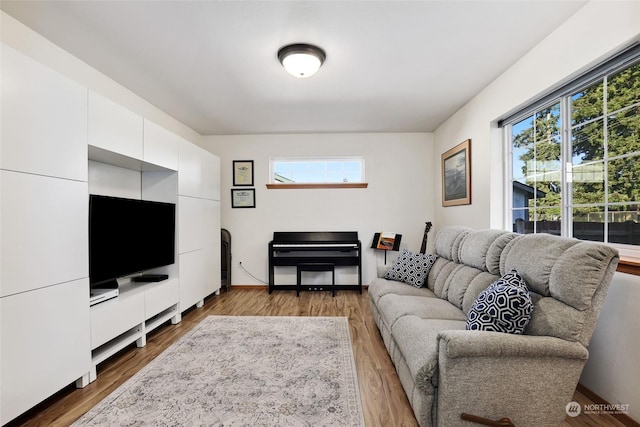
(243, 371)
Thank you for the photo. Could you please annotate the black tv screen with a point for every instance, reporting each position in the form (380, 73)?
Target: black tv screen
(128, 236)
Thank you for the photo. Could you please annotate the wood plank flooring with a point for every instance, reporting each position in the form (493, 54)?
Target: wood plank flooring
(383, 399)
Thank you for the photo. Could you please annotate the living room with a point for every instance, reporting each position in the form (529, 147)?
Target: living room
(403, 171)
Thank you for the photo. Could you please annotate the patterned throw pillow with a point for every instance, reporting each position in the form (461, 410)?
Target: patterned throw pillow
(505, 306)
(411, 268)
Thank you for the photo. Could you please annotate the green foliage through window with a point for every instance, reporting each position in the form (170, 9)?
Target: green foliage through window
(587, 183)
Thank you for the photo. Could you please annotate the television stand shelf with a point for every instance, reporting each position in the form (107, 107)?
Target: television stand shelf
(140, 308)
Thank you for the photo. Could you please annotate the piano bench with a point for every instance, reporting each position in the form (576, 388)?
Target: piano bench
(316, 266)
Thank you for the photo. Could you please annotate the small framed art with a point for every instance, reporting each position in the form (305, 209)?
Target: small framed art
(243, 173)
(456, 175)
(243, 198)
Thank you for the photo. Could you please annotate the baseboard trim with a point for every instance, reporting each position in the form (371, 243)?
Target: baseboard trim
(249, 287)
(267, 287)
(623, 418)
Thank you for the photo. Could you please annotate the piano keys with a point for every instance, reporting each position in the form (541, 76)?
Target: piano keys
(340, 248)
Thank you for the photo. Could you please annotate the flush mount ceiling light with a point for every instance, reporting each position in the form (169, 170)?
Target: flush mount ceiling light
(301, 60)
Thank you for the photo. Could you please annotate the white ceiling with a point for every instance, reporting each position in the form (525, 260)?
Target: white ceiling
(392, 66)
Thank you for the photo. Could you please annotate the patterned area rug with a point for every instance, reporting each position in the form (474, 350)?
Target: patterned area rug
(243, 371)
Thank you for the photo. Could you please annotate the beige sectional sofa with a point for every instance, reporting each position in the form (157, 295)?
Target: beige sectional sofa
(447, 370)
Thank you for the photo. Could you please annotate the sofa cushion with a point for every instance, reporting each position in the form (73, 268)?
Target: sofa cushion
(534, 255)
(411, 268)
(448, 242)
(475, 247)
(577, 273)
(556, 319)
(459, 281)
(505, 306)
(477, 285)
(381, 287)
(495, 251)
(392, 307)
(440, 272)
(416, 339)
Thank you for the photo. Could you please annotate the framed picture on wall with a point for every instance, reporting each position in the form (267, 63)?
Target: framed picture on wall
(456, 175)
(243, 198)
(243, 173)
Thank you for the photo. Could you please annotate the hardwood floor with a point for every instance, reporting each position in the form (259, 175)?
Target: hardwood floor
(383, 399)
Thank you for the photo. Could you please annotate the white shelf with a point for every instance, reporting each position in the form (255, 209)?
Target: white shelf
(137, 310)
(101, 155)
(107, 350)
(161, 318)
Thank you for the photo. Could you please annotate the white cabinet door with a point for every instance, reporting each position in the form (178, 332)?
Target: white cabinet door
(190, 170)
(190, 220)
(161, 297)
(192, 277)
(45, 344)
(210, 176)
(44, 231)
(211, 233)
(116, 316)
(114, 128)
(161, 147)
(43, 121)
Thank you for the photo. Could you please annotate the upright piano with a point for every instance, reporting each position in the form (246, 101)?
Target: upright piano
(340, 248)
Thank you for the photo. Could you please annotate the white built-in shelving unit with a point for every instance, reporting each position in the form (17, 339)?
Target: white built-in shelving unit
(60, 142)
(139, 309)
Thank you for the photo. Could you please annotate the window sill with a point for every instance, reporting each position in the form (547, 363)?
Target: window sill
(316, 186)
(629, 265)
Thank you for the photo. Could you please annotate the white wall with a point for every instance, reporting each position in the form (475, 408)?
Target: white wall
(594, 33)
(22, 38)
(612, 370)
(399, 170)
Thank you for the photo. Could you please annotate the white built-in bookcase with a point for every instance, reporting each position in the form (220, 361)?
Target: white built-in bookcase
(60, 142)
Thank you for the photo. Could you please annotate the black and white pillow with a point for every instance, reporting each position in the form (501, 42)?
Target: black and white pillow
(411, 268)
(505, 306)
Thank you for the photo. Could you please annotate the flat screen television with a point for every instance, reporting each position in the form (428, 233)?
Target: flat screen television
(128, 236)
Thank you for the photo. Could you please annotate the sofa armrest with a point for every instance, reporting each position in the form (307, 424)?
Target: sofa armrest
(458, 343)
(528, 379)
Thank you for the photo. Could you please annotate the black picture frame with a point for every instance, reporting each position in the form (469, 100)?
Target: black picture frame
(243, 173)
(243, 198)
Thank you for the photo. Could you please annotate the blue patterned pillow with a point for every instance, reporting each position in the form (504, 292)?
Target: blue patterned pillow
(505, 306)
(411, 268)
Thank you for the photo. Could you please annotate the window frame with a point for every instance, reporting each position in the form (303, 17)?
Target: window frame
(626, 59)
(273, 184)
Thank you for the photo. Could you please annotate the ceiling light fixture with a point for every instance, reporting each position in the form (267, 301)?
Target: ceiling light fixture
(301, 60)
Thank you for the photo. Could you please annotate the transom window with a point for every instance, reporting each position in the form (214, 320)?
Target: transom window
(317, 170)
(575, 159)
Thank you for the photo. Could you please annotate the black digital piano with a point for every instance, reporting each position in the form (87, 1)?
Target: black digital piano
(339, 248)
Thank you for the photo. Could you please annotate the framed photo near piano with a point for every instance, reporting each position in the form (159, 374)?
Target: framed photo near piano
(243, 173)
(456, 175)
(243, 198)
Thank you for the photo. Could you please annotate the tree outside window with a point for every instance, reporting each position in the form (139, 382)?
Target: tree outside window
(591, 178)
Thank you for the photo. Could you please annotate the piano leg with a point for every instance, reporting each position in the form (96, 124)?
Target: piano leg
(333, 282)
(271, 271)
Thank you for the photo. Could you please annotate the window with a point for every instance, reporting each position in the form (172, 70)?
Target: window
(575, 158)
(342, 170)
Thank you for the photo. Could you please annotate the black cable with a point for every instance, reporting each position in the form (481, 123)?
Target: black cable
(251, 275)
